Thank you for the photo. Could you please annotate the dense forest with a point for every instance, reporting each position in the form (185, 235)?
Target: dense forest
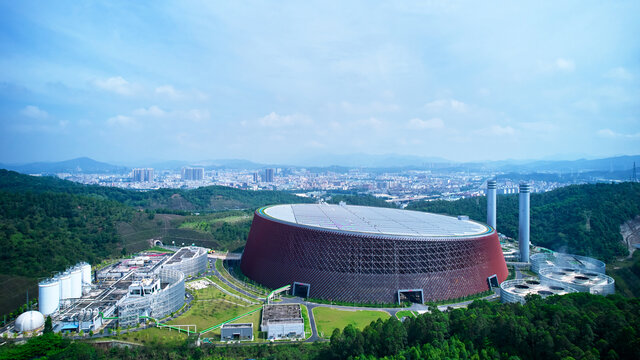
(574, 326)
(580, 219)
(363, 200)
(42, 233)
(208, 198)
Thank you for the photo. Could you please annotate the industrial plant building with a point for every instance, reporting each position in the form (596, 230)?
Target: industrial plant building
(561, 260)
(282, 321)
(583, 281)
(368, 254)
(516, 290)
(241, 332)
(148, 286)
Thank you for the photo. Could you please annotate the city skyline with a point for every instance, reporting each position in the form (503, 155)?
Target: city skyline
(194, 81)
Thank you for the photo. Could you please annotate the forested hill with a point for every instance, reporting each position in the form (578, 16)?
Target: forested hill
(580, 219)
(209, 198)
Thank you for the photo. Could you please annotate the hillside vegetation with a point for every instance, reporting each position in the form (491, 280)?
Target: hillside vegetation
(208, 198)
(579, 219)
(574, 326)
(48, 224)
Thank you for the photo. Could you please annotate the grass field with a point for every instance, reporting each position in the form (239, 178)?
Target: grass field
(211, 307)
(307, 322)
(153, 336)
(405, 313)
(328, 319)
(229, 289)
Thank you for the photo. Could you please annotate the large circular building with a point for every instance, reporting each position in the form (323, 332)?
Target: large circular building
(368, 254)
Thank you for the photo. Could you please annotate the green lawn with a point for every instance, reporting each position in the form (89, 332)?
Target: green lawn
(211, 307)
(307, 322)
(405, 313)
(328, 319)
(153, 336)
(229, 289)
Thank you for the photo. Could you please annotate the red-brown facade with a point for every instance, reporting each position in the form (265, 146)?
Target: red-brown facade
(362, 267)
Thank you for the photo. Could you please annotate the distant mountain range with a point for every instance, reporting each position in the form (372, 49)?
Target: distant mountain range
(83, 165)
(341, 163)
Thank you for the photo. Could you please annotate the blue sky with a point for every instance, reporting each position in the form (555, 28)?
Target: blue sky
(286, 81)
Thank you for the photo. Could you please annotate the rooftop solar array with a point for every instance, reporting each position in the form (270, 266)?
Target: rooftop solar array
(365, 219)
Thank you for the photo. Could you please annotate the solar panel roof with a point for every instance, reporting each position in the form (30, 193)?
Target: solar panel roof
(374, 220)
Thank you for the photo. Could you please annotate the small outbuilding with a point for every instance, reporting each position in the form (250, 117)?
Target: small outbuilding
(229, 332)
(282, 321)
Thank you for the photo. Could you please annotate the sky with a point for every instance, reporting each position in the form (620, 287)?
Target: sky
(285, 81)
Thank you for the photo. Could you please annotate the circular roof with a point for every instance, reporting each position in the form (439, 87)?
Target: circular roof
(29, 321)
(374, 220)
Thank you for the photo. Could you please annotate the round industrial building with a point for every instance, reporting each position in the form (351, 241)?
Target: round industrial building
(516, 290)
(371, 255)
(545, 260)
(579, 279)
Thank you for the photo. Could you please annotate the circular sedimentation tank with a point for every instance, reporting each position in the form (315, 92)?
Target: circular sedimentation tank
(517, 290)
(579, 279)
(561, 260)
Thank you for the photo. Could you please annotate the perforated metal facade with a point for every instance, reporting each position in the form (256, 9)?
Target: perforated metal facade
(366, 267)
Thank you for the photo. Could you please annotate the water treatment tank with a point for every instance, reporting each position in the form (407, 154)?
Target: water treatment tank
(29, 321)
(86, 273)
(76, 282)
(49, 296)
(65, 285)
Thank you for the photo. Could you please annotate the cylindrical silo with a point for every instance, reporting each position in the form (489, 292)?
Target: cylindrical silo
(76, 282)
(49, 296)
(523, 228)
(65, 285)
(86, 273)
(491, 203)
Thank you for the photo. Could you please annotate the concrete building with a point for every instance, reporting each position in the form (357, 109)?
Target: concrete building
(142, 175)
(516, 290)
(230, 332)
(282, 321)
(192, 174)
(268, 175)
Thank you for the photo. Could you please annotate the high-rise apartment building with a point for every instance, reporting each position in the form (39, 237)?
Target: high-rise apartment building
(193, 174)
(268, 175)
(142, 175)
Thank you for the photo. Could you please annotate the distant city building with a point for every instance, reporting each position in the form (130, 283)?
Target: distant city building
(268, 175)
(142, 175)
(256, 177)
(193, 174)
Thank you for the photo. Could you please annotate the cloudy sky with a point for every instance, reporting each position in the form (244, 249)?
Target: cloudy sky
(284, 81)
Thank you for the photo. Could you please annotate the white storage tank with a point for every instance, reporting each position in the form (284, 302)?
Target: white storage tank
(76, 282)
(65, 285)
(49, 296)
(86, 273)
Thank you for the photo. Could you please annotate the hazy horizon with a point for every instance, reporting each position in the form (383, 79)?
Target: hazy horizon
(287, 82)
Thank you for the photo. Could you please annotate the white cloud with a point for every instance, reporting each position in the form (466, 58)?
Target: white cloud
(123, 121)
(619, 73)
(169, 91)
(501, 130)
(374, 107)
(420, 124)
(539, 126)
(565, 64)
(154, 111)
(608, 133)
(117, 85)
(446, 104)
(197, 115)
(274, 120)
(34, 112)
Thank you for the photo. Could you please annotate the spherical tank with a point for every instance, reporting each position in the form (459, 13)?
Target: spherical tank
(76, 282)
(29, 321)
(49, 296)
(65, 285)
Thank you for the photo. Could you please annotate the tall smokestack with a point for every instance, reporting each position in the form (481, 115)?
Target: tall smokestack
(491, 203)
(523, 233)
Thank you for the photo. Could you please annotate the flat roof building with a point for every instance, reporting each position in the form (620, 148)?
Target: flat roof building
(282, 321)
(230, 332)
